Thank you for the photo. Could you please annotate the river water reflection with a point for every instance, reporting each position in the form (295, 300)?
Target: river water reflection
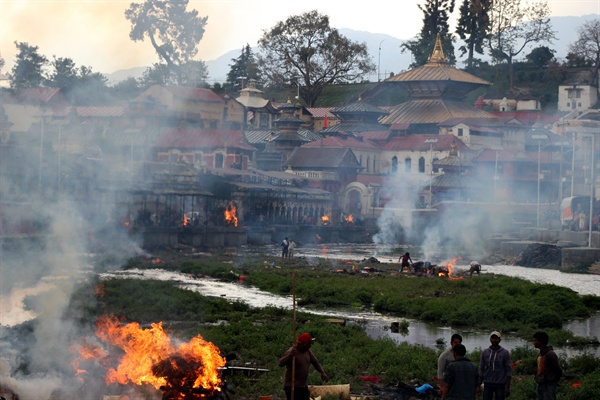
(377, 325)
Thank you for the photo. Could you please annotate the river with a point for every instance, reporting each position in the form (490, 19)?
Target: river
(377, 325)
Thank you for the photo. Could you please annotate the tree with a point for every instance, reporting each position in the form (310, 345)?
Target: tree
(192, 73)
(305, 51)
(245, 66)
(174, 32)
(515, 25)
(435, 20)
(587, 46)
(540, 56)
(65, 74)
(28, 69)
(473, 26)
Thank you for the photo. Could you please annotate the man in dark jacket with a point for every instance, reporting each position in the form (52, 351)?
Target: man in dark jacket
(461, 376)
(495, 370)
(299, 359)
(548, 369)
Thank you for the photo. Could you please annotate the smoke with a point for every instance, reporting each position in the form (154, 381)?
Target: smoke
(440, 233)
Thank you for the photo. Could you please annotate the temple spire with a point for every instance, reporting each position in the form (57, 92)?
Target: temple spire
(437, 57)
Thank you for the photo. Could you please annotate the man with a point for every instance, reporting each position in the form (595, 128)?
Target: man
(291, 248)
(406, 261)
(548, 369)
(461, 376)
(284, 248)
(475, 267)
(444, 359)
(301, 358)
(495, 370)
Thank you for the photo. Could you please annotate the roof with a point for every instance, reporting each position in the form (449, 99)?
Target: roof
(377, 135)
(262, 136)
(424, 143)
(202, 138)
(321, 112)
(39, 94)
(528, 117)
(359, 107)
(342, 141)
(99, 112)
(437, 72)
(196, 94)
(282, 188)
(354, 127)
(322, 157)
(432, 111)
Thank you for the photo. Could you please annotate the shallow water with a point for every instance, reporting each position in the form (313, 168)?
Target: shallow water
(375, 325)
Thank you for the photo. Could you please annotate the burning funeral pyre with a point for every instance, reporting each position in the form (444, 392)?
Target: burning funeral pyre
(132, 355)
(231, 214)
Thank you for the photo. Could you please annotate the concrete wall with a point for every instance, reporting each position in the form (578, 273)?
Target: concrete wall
(574, 257)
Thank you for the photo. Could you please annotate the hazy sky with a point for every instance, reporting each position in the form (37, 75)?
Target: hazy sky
(95, 33)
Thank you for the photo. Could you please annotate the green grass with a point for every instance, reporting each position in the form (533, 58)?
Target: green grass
(258, 337)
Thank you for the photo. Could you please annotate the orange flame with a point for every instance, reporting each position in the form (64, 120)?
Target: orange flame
(325, 219)
(230, 214)
(350, 219)
(185, 221)
(147, 356)
(156, 261)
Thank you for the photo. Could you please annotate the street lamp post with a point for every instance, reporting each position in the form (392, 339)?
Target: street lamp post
(539, 138)
(592, 194)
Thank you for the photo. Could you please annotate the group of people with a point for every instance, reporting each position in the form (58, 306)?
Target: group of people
(461, 379)
(458, 377)
(287, 248)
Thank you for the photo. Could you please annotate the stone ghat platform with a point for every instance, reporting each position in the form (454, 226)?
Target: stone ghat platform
(230, 236)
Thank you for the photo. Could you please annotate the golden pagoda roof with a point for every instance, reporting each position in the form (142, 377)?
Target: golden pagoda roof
(432, 111)
(437, 69)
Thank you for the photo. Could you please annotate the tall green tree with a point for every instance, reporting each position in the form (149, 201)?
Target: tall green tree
(64, 74)
(244, 67)
(305, 50)
(473, 26)
(587, 47)
(514, 25)
(28, 70)
(540, 56)
(173, 31)
(435, 20)
(192, 74)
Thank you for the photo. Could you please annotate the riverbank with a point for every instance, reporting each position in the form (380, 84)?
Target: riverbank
(344, 349)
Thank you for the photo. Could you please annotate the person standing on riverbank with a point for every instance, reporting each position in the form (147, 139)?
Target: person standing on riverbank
(461, 376)
(548, 369)
(495, 370)
(291, 248)
(299, 358)
(285, 244)
(443, 360)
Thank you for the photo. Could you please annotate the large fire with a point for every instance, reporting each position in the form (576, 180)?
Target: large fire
(449, 267)
(230, 214)
(185, 221)
(350, 219)
(148, 356)
(325, 219)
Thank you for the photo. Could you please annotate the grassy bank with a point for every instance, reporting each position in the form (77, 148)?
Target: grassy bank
(258, 337)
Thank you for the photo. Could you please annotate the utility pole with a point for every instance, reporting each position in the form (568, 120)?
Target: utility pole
(379, 62)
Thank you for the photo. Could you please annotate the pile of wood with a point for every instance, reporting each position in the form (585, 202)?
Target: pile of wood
(540, 255)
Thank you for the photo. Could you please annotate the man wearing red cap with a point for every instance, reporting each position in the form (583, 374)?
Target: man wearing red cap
(301, 357)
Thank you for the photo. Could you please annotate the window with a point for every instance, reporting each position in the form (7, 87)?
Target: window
(219, 160)
(368, 164)
(435, 168)
(407, 164)
(422, 164)
(394, 165)
(460, 131)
